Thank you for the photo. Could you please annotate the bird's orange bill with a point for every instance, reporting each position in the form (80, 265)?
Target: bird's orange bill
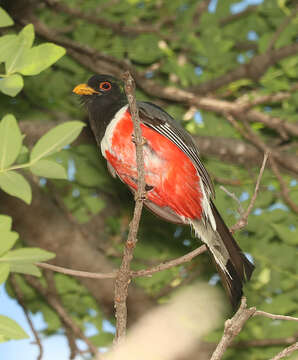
(84, 89)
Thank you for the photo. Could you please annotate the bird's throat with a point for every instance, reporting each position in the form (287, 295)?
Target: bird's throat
(101, 113)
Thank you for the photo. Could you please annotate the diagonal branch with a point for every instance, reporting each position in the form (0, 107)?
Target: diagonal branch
(56, 305)
(21, 301)
(286, 352)
(281, 28)
(253, 70)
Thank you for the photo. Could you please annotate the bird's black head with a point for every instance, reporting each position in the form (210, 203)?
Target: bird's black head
(100, 89)
(103, 96)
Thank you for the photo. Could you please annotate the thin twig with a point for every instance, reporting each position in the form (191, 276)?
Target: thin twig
(242, 222)
(145, 272)
(234, 197)
(171, 263)
(274, 316)
(232, 328)
(20, 299)
(123, 277)
(286, 352)
(79, 273)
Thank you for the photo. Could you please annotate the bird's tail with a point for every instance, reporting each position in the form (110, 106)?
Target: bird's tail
(232, 265)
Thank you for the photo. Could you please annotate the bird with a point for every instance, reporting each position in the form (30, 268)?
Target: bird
(177, 184)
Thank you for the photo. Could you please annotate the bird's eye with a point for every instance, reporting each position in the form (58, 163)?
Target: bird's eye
(105, 86)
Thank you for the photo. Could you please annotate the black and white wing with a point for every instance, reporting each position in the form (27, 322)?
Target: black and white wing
(160, 121)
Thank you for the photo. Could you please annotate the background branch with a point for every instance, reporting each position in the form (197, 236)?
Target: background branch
(21, 301)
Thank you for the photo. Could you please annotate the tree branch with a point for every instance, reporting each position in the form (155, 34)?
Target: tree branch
(123, 277)
(169, 264)
(146, 272)
(253, 70)
(286, 352)
(234, 325)
(232, 328)
(274, 316)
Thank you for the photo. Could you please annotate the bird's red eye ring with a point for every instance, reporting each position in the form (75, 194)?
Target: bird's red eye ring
(105, 86)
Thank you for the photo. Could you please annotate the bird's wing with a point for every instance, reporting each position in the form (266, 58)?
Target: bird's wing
(157, 119)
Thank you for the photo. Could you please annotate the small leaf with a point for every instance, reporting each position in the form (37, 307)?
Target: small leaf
(40, 58)
(9, 329)
(25, 41)
(5, 223)
(5, 19)
(102, 339)
(55, 139)
(27, 255)
(8, 46)
(4, 272)
(11, 85)
(7, 240)
(16, 185)
(49, 169)
(24, 268)
(10, 140)
(286, 233)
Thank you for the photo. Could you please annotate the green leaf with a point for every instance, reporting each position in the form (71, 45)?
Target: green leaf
(11, 85)
(10, 140)
(40, 58)
(16, 185)
(288, 235)
(9, 329)
(25, 41)
(49, 169)
(7, 240)
(24, 268)
(94, 204)
(102, 339)
(5, 19)
(138, 49)
(8, 46)
(55, 139)
(5, 223)
(27, 255)
(4, 272)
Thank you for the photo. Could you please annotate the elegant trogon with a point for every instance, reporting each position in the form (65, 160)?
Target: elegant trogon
(178, 186)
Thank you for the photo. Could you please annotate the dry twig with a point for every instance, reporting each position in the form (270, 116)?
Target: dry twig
(242, 222)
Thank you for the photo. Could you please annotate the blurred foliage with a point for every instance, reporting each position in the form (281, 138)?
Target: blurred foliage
(194, 52)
